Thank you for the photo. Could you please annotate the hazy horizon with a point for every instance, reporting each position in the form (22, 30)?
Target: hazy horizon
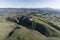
(30, 4)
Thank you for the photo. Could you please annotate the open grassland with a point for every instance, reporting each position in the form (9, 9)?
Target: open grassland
(20, 32)
(5, 29)
(42, 23)
(26, 34)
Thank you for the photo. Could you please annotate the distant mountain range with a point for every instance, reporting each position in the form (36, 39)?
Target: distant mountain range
(50, 11)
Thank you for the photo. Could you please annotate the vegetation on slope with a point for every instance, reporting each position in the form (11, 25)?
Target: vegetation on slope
(48, 27)
(43, 27)
(5, 29)
(26, 34)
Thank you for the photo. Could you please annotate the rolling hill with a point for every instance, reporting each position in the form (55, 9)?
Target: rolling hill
(15, 24)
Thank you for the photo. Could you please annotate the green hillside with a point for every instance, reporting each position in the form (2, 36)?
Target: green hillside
(5, 29)
(44, 20)
(43, 27)
(26, 34)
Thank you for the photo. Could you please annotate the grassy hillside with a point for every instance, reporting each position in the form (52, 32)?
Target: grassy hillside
(43, 27)
(5, 29)
(26, 34)
(42, 31)
(52, 30)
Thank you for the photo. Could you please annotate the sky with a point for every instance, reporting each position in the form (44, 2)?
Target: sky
(30, 4)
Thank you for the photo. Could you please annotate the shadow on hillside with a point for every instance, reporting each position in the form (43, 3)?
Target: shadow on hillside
(38, 27)
(24, 21)
(13, 31)
(51, 24)
(55, 26)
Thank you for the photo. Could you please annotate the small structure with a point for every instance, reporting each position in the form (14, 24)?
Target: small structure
(31, 19)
